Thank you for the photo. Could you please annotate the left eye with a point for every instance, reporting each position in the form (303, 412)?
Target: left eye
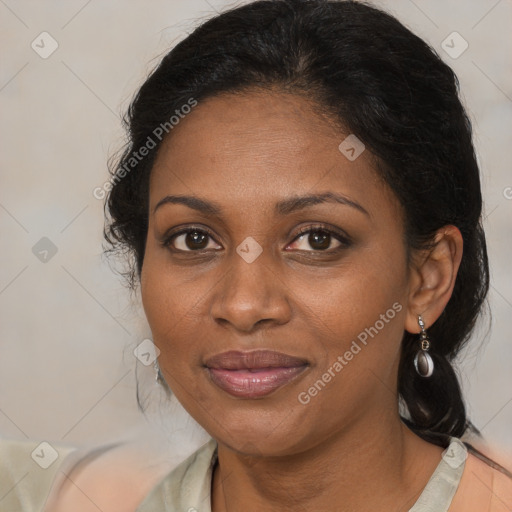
(319, 240)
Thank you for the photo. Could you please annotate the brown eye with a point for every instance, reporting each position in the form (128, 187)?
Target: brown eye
(196, 240)
(190, 240)
(319, 239)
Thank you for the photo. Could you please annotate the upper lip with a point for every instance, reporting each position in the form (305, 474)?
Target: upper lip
(238, 360)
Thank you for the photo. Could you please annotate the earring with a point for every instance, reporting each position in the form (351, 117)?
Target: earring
(422, 361)
(159, 378)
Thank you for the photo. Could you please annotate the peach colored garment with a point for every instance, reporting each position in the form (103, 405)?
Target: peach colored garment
(482, 489)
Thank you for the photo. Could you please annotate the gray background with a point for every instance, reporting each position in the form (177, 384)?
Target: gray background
(68, 325)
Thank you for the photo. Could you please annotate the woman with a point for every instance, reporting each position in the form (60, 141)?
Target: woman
(308, 242)
(302, 202)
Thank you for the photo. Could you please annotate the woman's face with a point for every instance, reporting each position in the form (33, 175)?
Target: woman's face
(279, 319)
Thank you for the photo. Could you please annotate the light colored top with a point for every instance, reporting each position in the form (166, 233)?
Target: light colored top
(27, 472)
(31, 471)
(187, 487)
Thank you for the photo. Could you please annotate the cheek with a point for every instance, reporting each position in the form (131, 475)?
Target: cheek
(164, 297)
(359, 316)
(163, 300)
(348, 299)
(175, 306)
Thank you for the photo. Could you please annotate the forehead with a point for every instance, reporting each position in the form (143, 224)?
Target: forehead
(258, 146)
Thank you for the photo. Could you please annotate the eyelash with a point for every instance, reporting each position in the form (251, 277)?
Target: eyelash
(342, 238)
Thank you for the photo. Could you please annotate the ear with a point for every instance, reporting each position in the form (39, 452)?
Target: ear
(432, 278)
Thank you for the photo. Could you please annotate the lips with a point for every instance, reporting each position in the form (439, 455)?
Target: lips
(253, 374)
(256, 359)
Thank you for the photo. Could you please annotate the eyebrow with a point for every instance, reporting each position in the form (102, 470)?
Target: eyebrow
(283, 207)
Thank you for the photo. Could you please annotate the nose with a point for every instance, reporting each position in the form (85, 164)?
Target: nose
(251, 294)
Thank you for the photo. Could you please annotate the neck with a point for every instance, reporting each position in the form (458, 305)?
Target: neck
(376, 469)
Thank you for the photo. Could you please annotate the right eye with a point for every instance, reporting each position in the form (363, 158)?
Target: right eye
(190, 240)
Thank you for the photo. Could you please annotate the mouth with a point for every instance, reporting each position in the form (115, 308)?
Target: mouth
(253, 374)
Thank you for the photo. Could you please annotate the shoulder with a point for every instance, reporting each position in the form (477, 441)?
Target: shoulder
(483, 487)
(109, 478)
(27, 472)
(187, 486)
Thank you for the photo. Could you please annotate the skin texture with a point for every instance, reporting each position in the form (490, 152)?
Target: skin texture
(347, 448)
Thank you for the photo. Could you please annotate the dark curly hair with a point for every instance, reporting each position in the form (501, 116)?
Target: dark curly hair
(388, 87)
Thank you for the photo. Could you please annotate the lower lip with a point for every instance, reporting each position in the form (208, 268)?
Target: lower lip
(255, 384)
